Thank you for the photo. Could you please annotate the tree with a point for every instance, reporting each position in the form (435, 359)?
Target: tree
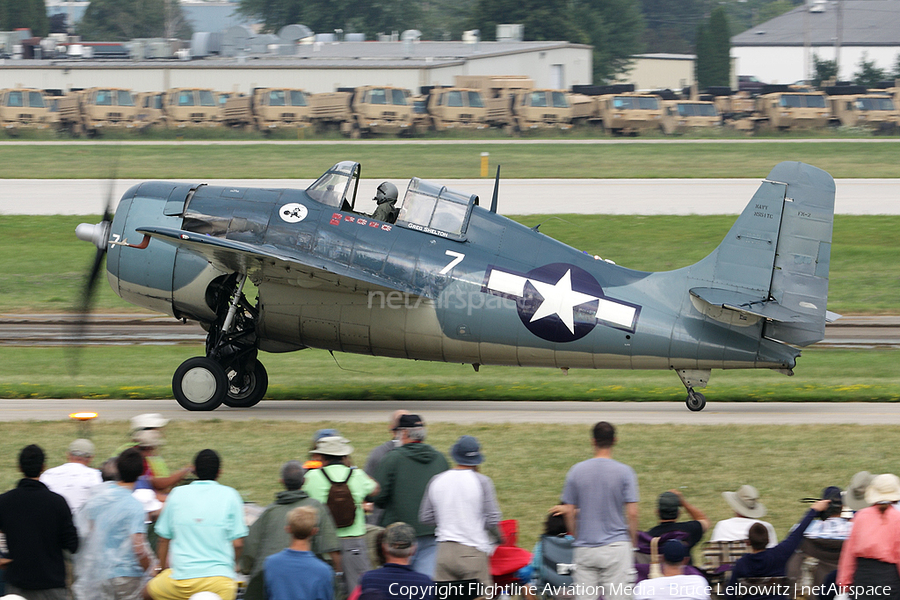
(612, 27)
(824, 70)
(59, 23)
(896, 73)
(713, 51)
(703, 52)
(868, 74)
(31, 14)
(720, 48)
(366, 16)
(120, 20)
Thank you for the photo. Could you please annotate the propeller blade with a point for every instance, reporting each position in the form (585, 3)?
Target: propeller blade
(98, 235)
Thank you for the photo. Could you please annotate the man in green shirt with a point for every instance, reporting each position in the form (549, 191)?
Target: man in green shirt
(336, 467)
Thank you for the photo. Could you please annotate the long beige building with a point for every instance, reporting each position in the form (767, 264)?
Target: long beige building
(319, 67)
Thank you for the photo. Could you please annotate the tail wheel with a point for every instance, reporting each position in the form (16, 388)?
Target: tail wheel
(247, 386)
(695, 400)
(200, 383)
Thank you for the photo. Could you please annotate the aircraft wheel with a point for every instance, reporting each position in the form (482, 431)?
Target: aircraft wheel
(695, 400)
(200, 383)
(246, 389)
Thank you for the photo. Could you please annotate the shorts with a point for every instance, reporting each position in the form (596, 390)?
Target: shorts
(164, 587)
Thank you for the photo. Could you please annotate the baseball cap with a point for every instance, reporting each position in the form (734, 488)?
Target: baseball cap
(409, 421)
(674, 552)
(668, 505)
(399, 536)
(82, 447)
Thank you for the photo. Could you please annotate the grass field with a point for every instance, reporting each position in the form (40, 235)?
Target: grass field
(634, 160)
(42, 264)
(146, 372)
(528, 463)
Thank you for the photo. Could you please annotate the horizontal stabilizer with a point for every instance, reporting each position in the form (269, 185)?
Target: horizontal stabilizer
(831, 317)
(749, 304)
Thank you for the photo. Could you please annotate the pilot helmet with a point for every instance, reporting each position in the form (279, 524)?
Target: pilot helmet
(386, 192)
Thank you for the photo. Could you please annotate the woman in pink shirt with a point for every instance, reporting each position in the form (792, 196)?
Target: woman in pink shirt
(870, 558)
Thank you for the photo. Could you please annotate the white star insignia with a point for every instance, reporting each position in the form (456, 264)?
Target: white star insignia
(560, 299)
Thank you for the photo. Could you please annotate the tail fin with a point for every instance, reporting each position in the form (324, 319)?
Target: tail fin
(774, 262)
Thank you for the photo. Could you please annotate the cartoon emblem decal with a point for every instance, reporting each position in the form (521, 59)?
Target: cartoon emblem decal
(560, 302)
(293, 212)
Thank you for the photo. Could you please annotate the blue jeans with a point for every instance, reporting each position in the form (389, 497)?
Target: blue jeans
(425, 558)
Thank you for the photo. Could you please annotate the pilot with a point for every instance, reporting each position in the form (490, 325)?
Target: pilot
(386, 198)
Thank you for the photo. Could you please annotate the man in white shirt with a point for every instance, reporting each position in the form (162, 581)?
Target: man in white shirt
(674, 584)
(747, 511)
(75, 478)
(462, 504)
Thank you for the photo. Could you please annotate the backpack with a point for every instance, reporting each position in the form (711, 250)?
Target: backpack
(340, 501)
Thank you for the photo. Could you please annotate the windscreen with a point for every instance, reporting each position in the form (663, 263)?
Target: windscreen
(124, 98)
(35, 100)
(207, 98)
(560, 100)
(298, 98)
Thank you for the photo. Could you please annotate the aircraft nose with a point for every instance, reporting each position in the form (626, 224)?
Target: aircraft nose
(97, 234)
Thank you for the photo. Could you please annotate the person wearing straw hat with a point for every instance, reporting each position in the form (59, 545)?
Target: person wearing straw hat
(870, 558)
(335, 452)
(747, 511)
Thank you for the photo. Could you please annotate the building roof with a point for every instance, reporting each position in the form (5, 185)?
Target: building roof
(864, 23)
(343, 55)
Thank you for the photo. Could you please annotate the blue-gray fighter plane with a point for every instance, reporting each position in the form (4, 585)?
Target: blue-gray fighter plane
(448, 279)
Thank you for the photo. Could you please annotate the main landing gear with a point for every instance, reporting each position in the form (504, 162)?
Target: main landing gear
(230, 373)
(692, 378)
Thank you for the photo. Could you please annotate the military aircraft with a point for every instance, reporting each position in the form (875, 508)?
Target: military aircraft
(451, 280)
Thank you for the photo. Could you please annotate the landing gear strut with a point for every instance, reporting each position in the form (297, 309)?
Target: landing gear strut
(230, 373)
(692, 378)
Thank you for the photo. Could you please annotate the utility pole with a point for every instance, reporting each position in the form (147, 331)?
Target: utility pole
(837, 42)
(807, 72)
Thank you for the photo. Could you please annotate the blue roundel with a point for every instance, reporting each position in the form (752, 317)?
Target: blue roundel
(559, 302)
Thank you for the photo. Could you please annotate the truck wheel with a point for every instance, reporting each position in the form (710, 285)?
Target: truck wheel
(355, 132)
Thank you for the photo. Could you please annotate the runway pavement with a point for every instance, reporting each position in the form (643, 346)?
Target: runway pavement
(471, 412)
(517, 196)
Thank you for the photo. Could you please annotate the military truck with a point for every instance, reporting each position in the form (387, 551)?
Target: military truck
(542, 109)
(150, 109)
(855, 106)
(784, 108)
(681, 116)
(630, 113)
(94, 110)
(498, 93)
(23, 108)
(456, 108)
(622, 111)
(191, 107)
(364, 111)
(266, 109)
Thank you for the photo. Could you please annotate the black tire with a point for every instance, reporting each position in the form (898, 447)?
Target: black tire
(200, 383)
(249, 391)
(695, 401)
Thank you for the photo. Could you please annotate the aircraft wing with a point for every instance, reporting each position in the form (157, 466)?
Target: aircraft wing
(267, 263)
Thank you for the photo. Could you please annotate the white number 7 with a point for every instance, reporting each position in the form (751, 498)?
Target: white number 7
(457, 258)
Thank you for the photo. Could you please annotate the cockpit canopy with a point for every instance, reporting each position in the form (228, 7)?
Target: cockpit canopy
(426, 206)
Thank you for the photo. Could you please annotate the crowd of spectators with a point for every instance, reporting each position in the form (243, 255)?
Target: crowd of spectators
(408, 527)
